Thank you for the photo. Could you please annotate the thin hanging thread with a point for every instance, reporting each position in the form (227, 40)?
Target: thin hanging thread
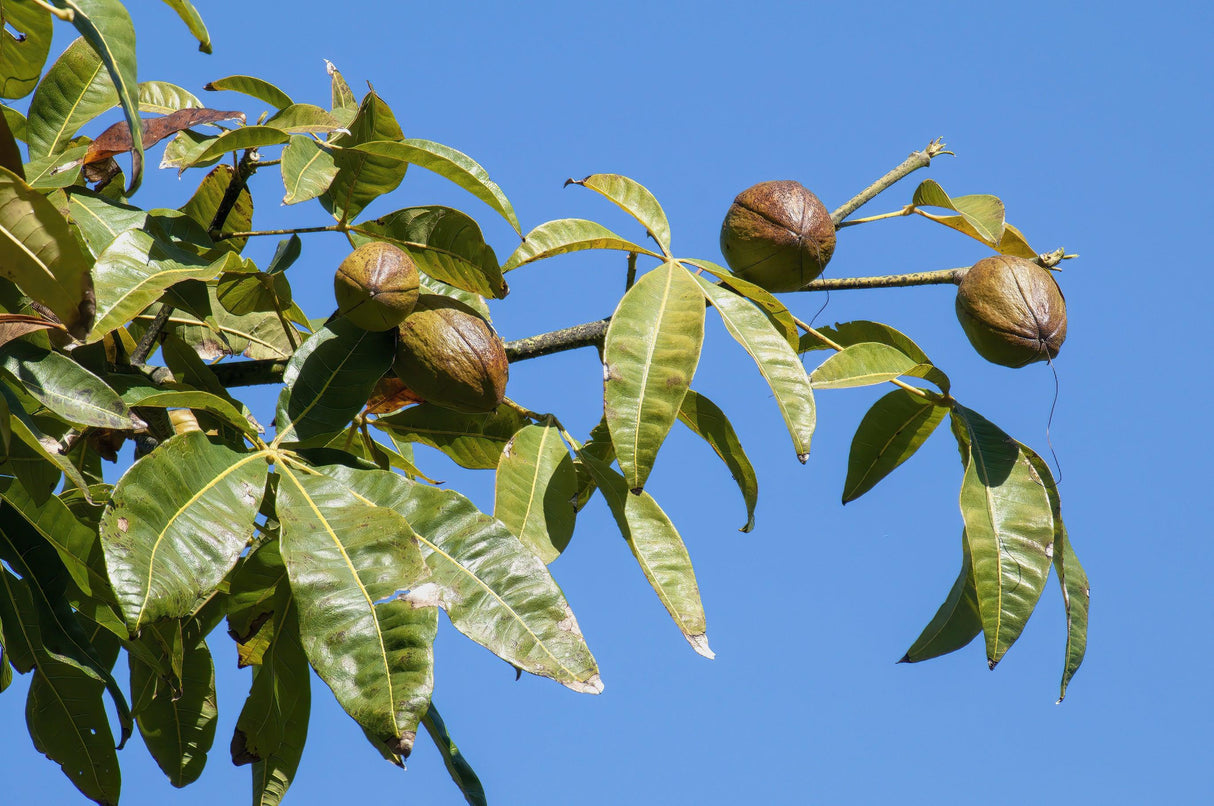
(1049, 359)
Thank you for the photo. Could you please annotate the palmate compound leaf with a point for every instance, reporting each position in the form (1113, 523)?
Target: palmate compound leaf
(492, 587)
(658, 549)
(177, 724)
(23, 55)
(1076, 593)
(568, 235)
(65, 387)
(535, 488)
(708, 422)
(633, 198)
(1009, 524)
(890, 433)
(351, 562)
(471, 440)
(39, 253)
(329, 379)
(780, 366)
(64, 710)
(179, 519)
(956, 623)
(107, 27)
(650, 354)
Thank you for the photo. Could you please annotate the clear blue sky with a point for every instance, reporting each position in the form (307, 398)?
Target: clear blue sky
(1091, 121)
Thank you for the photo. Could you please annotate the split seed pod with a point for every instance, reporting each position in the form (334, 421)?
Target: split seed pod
(777, 235)
(1012, 310)
(376, 286)
(451, 357)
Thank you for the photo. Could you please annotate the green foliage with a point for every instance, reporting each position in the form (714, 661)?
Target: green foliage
(326, 546)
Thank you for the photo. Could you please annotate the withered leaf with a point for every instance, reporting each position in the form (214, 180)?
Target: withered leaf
(117, 138)
(391, 394)
(15, 325)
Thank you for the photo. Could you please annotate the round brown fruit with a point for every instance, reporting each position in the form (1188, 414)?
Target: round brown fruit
(376, 286)
(777, 235)
(451, 357)
(1012, 310)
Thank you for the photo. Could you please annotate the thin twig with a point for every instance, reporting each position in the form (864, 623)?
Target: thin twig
(938, 277)
(917, 160)
(289, 231)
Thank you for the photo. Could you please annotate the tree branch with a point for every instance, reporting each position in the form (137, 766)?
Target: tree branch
(917, 160)
(939, 277)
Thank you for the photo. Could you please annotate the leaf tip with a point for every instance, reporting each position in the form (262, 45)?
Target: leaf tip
(905, 659)
(591, 685)
(637, 490)
(991, 663)
(700, 644)
(803, 457)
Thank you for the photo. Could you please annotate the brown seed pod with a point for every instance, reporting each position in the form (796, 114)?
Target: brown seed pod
(777, 235)
(1012, 310)
(376, 286)
(451, 357)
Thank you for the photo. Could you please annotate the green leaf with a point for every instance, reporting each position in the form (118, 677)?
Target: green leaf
(890, 433)
(107, 27)
(308, 169)
(658, 549)
(859, 331)
(330, 378)
(1009, 524)
(189, 15)
(1076, 593)
(449, 164)
(40, 255)
(362, 177)
(535, 488)
(10, 154)
(956, 623)
(568, 235)
(708, 422)
(61, 635)
(179, 519)
(74, 90)
(980, 217)
(77, 545)
(31, 472)
(444, 243)
(240, 139)
(862, 364)
(779, 315)
(21, 60)
(67, 722)
(471, 440)
(170, 395)
(205, 202)
(65, 387)
(182, 150)
(163, 98)
(1014, 243)
(101, 220)
(650, 354)
(178, 725)
(350, 563)
(344, 105)
(15, 121)
(273, 724)
(303, 119)
(636, 200)
(135, 270)
(246, 291)
(494, 589)
(460, 770)
(254, 87)
(779, 365)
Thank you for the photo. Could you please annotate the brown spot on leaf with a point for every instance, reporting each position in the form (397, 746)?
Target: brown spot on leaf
(123, 524)
(241, 754)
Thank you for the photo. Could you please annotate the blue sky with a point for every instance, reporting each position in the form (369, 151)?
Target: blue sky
(1091, 122)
